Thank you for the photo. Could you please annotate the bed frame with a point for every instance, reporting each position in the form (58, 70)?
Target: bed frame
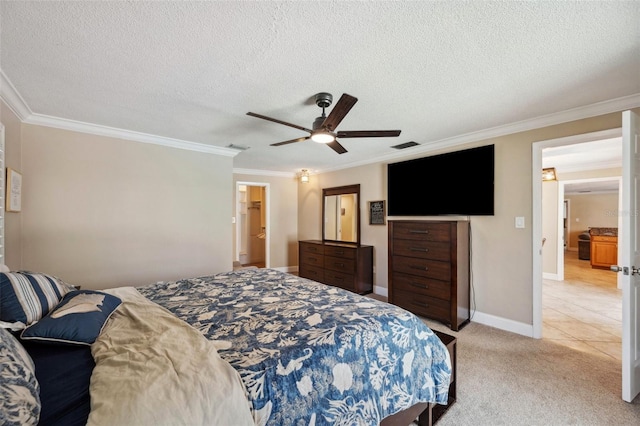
(425, 414)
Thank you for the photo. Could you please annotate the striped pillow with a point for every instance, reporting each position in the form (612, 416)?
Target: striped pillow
(26, 297)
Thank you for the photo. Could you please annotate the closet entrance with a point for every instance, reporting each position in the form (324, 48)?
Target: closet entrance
(251, 224)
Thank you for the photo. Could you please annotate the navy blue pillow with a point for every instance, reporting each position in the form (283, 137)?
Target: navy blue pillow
(27, 296)
(78, 318)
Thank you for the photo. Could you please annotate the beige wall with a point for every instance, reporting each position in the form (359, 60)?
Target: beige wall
(102, 212)
(372, 180)
(502, 262)
(591, 211)
(283, 223)
(576, 227)
(13, 154)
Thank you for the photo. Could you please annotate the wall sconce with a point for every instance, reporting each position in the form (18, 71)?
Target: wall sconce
(304, 176)
(549, 174)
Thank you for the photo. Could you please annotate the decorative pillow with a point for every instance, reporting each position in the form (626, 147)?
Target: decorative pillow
(19, 389)
(26, 297)
(78, 318)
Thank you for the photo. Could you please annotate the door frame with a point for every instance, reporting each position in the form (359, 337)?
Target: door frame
(536, 227)
(267, 213)
(562, 199)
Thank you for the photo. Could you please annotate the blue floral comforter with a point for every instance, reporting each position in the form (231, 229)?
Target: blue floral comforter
(309, 353)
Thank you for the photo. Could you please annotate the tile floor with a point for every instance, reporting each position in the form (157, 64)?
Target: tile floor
(585, 310)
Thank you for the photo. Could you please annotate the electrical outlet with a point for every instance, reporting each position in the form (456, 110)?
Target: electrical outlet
(519, 221)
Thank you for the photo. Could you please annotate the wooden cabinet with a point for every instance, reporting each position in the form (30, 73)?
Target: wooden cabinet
(429, 269)
(346, 266)
(604, 251)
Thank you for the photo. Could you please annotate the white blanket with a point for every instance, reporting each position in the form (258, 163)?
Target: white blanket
(154, 369)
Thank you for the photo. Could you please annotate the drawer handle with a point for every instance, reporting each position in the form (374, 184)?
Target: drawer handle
(339, 252)
(419, 285)
(338, 279)
(339, 264)
(420, 268)
(420, 305)
(416, 231)
(313, 259)
(419, 249)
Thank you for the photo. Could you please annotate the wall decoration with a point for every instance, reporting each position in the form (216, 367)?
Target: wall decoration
(376, 212)
(14, 191)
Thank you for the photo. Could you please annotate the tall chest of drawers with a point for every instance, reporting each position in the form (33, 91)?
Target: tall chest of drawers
(429, 269)
(340, 265)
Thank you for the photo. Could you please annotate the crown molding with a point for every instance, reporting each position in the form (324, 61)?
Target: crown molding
(95, 129)
(606, 107)
(12, 98)
(258, 172)
(17, 104)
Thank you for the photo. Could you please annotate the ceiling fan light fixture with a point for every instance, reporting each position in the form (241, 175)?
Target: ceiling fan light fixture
(323, 136)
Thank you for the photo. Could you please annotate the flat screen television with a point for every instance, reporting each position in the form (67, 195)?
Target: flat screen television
(455, 183)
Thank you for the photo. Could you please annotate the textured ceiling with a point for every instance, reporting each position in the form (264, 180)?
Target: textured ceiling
(438, 71)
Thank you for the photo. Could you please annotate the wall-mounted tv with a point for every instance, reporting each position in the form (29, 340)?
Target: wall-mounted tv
(455, 183)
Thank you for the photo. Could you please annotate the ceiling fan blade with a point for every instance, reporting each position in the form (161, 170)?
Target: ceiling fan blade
(275, 120)
(335, 145)
(367, 133)
(291, 141)
(339, 111)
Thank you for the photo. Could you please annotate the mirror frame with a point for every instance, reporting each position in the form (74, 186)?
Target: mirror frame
(342, 190)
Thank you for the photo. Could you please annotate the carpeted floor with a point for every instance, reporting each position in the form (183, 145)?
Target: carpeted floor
(508, 379)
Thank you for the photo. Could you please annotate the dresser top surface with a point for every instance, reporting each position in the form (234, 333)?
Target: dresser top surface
(333, 243)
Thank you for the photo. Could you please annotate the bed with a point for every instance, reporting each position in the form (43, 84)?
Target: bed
(259, 345)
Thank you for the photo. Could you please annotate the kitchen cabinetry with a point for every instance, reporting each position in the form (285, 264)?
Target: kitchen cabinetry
(604, 251)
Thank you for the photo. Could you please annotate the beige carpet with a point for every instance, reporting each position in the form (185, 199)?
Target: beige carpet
(508, 379)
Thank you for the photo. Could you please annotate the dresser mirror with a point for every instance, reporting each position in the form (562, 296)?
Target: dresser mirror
(341, 214)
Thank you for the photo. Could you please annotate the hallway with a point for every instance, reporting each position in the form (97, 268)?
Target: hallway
(585, 310)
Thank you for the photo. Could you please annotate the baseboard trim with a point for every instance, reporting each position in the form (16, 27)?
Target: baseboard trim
(381, 291)
(503, 324)
(288, 269)
(549, 276)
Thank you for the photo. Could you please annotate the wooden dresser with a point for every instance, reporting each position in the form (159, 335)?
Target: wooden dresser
(347, 266)
(429, 269)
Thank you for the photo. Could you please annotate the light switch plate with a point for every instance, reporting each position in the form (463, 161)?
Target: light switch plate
(519, 221)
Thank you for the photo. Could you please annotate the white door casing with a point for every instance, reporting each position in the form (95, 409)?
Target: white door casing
(629, 256)
(267, 212)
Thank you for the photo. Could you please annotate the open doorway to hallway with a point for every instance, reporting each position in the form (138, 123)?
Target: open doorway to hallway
(582, 305)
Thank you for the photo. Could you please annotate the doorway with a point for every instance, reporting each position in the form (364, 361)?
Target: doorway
(252, 224)
(537, 153)
(582, 306)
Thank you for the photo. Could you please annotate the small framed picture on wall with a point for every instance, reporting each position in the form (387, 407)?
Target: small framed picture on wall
(14, 191)
(376, 212)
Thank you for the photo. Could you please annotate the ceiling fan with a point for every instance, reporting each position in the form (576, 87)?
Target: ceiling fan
(324, 127)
